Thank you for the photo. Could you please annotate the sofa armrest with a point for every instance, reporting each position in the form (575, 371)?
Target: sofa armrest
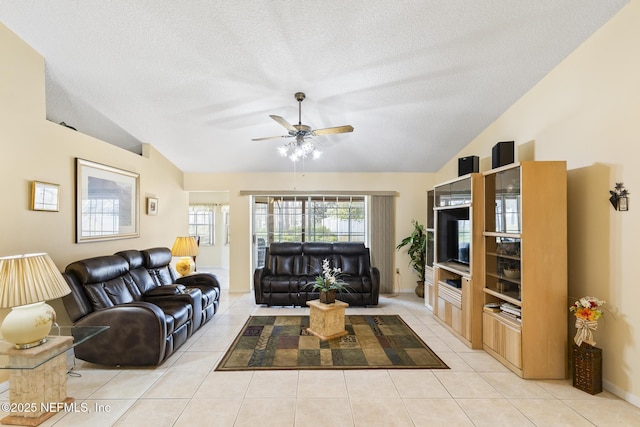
(165, 291)
(136, 336)
(258, 275)
(199, 279)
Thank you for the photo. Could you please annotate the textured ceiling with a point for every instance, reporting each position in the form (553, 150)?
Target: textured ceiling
(197, 79)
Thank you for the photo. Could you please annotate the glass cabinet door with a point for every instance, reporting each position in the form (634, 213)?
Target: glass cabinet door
(453, 194)
(504, 188)
(503, 266)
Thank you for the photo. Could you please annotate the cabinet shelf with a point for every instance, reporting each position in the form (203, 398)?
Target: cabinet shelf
(453, 206)
(513, 257)
(505, 278)
(505, 235)
(455, 267)
(503, 297)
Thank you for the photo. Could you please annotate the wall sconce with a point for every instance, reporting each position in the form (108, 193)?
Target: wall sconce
(619, 197)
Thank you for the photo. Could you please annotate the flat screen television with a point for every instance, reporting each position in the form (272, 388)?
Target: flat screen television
(454, 236)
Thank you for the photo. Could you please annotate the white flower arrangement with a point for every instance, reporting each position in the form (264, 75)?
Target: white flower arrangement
(330, 279)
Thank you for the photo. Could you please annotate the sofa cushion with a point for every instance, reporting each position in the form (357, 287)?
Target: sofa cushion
(157, 262)
(105, 279)
(352, 258)
(314, 255)
(110, 293)
(176, 314)
(284, 265)
(98, 269)
(286, 248)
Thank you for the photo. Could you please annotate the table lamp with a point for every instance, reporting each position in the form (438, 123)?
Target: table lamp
(186, 248)
(26, 282)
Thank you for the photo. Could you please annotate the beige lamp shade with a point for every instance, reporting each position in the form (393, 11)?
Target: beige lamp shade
(26, 282)
(25, 279)
(185, 246)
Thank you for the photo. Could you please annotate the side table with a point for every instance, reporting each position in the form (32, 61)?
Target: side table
(326, 321)
(38, 376)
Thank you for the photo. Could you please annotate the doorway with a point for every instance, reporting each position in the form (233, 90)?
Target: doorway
(209, 220)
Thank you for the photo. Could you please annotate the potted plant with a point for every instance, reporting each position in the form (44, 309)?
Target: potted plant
(328, 283)
(417, 251)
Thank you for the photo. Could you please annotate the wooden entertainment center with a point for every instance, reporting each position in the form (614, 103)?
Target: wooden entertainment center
(457, 267)
(506, 292)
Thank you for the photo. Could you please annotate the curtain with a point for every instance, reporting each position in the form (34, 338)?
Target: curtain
(383, 240)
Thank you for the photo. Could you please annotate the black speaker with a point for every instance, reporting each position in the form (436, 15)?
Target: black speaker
(469, 164)
(502, 154)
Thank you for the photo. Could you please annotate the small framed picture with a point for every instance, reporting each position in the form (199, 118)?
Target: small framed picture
(152, 206)
(45, 196)
(623, 203)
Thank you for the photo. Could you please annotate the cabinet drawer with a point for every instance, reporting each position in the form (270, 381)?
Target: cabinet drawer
(449, 294)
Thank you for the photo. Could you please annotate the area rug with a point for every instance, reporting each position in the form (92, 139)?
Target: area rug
(373, 342)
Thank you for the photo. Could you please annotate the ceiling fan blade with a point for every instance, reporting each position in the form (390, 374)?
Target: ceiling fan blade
(329, 131)
(270, 137)
(283, 123)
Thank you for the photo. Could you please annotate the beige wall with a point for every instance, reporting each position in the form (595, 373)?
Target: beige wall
(411, 202)
(587, 111)
(35, 149)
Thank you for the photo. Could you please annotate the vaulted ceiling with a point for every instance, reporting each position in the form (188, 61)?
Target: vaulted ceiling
(198, 79)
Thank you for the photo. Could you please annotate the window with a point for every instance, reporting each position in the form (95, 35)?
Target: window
(309, 219)
(202, 223)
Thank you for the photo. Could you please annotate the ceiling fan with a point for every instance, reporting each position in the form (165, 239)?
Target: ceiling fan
(299, 148)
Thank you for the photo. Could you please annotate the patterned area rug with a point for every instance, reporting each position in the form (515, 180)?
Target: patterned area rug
(282, 342)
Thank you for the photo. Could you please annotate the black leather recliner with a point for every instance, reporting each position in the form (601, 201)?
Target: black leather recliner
(150, 312)
(290, 267)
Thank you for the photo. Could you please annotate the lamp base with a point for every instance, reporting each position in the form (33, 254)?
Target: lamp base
(185, 266)
(30, 344)
(27, 326)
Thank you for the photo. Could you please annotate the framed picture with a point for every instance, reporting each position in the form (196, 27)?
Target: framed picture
(45, 196)
(152, 206)
(106, 202)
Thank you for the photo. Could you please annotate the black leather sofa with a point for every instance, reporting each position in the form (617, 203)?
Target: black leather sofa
(290, 267)
(150, 312)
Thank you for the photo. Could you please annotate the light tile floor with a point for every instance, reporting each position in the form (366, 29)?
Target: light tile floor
(185, 391)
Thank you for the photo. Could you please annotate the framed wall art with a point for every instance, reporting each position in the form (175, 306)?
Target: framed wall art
(152, 206)
(106, 202)
(45, 196)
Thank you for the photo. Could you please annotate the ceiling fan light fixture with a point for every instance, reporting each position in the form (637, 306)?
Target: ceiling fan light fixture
(299, 150)
(283, 150)
(301, 147)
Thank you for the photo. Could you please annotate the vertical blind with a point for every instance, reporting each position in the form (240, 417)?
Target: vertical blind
(382, 239)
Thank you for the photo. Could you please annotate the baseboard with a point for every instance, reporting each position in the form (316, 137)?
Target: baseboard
(622, 394)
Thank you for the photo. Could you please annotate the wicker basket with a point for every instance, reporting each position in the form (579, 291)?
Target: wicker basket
(587, 368)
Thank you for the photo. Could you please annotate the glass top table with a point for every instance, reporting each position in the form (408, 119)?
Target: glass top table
(62, 339)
